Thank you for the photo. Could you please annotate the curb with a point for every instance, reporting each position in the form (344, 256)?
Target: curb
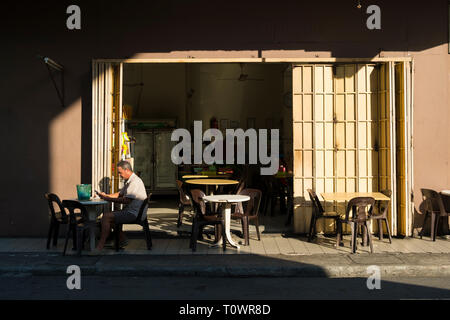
(301, 272)
(317, 266)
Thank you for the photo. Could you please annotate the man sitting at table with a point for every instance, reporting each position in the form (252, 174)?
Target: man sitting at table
(132, 195)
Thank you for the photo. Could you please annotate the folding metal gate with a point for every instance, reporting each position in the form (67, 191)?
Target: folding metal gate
(343, 120)
(107, 124)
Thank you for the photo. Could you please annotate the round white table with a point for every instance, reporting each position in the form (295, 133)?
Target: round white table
(92, 206)
(227, 199)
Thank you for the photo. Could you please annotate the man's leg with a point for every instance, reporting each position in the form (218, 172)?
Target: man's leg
(121, 218)
(107, 222)
(122, 236)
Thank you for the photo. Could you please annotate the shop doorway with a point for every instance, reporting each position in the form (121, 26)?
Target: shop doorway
(346, 126)
(157, 98)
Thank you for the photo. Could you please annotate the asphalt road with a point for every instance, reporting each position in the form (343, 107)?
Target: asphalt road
(197, 288)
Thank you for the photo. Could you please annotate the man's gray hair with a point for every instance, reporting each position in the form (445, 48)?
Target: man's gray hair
(125, 165)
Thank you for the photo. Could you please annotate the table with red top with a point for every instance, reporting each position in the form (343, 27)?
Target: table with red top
(211, 182)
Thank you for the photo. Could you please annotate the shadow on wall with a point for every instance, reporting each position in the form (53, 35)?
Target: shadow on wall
(317, 27)
(419, 216)
(105, 184)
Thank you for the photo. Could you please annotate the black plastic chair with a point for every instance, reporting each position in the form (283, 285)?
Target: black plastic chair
(434, 206)
(275, 191)
(249, 212)
(361, 216)
(382, 216)
(139, 221)
(235, 206)
(290, 200)
(201, 219)
(270, 194)
(56, 219)
(184, 201)
(319, 213)
(79, 223)
(240, 186)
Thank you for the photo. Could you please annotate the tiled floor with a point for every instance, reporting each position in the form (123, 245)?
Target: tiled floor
(272, 244)
(276, 239)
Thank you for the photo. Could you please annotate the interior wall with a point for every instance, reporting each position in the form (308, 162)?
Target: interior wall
(218, 93)
(198, 92)
(155, 91)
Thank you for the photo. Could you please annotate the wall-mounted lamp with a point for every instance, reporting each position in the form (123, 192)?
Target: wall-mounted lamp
(51, 64)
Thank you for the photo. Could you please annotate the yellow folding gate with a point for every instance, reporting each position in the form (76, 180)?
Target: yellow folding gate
(343, 120)
(107, 124)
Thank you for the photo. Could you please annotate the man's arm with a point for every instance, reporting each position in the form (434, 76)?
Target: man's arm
(115, 197)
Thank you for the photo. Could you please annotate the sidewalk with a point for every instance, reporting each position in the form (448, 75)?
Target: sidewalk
(418, 258)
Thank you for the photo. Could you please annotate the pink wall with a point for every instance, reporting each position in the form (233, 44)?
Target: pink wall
(50, 147)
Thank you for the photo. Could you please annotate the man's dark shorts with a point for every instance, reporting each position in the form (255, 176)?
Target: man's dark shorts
(122, 217)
